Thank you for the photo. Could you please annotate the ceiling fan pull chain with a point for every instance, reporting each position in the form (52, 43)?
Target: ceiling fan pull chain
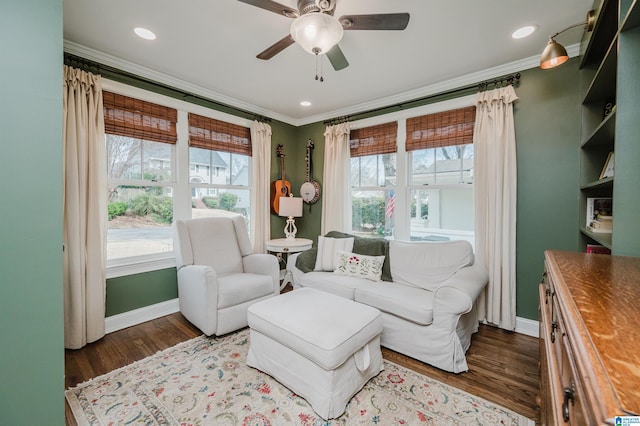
(321, 76)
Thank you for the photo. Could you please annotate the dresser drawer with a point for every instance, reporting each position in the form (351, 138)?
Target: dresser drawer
(572, 408)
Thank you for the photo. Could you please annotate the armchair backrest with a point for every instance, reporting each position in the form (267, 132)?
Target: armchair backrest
(218, 242)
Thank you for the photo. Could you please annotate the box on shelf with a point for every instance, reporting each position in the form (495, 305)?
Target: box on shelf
(597, 249)
(600, 214)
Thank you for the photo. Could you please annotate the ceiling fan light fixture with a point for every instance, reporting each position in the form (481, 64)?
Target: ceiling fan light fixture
(316, 32)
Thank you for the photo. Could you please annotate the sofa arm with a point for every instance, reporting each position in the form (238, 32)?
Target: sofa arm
(457, 295)
(198, 296)
(263, 264)
(291, 267)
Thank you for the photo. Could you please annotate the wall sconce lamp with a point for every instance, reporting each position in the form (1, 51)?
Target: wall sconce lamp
(555, 54)
(290, 207)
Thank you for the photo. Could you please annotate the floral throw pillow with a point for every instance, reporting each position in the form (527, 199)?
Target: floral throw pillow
(359, 265)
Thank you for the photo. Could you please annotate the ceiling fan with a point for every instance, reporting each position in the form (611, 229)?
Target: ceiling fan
(319, 32)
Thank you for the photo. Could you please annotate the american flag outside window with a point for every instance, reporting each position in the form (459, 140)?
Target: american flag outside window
(391, 204)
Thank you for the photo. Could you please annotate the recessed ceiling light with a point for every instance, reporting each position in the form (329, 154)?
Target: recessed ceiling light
(523, 32)
(144, 33)
(305, 103)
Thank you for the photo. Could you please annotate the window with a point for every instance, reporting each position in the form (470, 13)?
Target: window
(440, 161)
(224, 148)
(140, 142)
(373, 178)
(157, 174)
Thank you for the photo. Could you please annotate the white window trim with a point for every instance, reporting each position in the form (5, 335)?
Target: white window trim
(402, 189)
(182, 197)
(139, 264)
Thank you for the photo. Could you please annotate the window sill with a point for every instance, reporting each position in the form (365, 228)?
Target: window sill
(138, 265)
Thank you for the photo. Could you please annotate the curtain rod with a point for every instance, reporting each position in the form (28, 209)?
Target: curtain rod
(509, 79)
(111, 72)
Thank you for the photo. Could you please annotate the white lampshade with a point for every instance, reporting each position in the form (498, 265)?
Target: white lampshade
(290, 207)
(316, 32)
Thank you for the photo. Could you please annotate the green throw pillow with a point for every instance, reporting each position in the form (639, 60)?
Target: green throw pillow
(306, 260)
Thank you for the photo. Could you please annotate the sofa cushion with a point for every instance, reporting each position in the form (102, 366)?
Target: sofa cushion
(407, 302)
(428, 264)
(359, 265)
(235, 289)
(328, 249)
(340, 285)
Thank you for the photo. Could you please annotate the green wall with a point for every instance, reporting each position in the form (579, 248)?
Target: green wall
(31, 303)
(547, 121)
(136, 291)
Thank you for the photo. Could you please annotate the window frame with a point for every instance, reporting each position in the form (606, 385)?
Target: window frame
(402, 186)
(180, 173)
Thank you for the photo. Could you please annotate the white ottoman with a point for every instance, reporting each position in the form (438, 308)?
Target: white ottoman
(322, 347)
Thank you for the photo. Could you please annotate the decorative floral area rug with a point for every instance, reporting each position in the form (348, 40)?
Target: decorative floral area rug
(205, 381)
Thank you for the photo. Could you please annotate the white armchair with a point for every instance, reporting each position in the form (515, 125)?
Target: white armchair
(218, 276)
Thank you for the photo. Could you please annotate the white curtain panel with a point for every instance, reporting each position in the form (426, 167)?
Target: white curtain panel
(85, 208)
(495, 184)
(336, 197)
(260, 195)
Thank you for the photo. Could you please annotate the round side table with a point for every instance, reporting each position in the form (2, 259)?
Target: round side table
(280, 246)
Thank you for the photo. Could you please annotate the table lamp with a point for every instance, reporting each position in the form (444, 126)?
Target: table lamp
(290, 207)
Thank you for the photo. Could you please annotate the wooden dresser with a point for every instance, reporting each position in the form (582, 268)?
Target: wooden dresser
(589, 338)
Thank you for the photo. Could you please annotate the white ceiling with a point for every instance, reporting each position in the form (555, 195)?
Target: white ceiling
(210, 47)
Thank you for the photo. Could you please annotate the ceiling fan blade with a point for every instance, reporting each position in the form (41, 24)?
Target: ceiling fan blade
(276, 48)
(381, 21)
(274, 7)
(337, 59)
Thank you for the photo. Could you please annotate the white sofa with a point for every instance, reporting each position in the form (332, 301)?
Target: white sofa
(428, 308)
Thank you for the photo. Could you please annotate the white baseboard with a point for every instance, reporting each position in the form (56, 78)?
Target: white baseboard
(138, 316)
(528, 327)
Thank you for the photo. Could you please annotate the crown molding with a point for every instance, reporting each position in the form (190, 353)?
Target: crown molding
(139, 70)
(433, 89)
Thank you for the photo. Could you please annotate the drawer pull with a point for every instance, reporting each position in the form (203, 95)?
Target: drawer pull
(568, 396)
(554, 327)
(547, 293)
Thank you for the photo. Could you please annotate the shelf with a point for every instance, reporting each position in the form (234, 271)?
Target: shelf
(604, 133)
(603, 85)
(599, 184)
(604, 30)
(599, 237)
(632, 20)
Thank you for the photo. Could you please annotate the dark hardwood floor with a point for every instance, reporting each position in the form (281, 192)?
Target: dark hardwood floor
(503, 366)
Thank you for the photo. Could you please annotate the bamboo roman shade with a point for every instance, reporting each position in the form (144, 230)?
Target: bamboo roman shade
(380, 139)
(209, 133)
(125, 116)
(445, 128)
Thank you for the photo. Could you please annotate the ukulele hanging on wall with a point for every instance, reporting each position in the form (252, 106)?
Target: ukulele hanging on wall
(280, 187)
(310, 190)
